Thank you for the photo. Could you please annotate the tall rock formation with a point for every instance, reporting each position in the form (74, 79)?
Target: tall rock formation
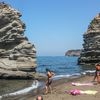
(91, 52)
(17, 54)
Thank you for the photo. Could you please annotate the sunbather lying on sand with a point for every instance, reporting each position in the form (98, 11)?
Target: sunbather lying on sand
(78, 92)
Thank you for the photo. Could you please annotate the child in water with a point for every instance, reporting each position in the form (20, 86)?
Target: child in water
(50, 74)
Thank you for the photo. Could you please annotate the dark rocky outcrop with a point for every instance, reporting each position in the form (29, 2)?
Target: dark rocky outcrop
(73, 52)
(17, 54)
(91, 51)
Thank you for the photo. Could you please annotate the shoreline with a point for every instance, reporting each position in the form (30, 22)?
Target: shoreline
(37, 91)
(59, 88)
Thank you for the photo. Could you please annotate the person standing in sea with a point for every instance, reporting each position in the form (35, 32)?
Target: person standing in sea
(48, 87)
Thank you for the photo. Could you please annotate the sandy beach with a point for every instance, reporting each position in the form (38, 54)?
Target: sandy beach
(59, 91)
(59, 88)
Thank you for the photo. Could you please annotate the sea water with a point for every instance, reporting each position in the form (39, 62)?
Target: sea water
(62, 66)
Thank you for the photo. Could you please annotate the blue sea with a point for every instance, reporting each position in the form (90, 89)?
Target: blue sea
(62, 66)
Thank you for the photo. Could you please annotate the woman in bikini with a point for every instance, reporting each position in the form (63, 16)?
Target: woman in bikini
(50, 74)
(97, 73)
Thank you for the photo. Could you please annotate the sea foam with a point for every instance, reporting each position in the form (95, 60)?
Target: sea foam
(34, 85)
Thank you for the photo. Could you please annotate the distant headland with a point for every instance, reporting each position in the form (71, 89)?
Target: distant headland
(73, 52)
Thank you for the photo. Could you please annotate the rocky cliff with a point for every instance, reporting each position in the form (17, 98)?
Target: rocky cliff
(91, 45)
(73, 52)
(17, 54)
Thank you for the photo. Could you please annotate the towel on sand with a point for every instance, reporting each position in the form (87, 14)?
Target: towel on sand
(82, 84)
(93, 92)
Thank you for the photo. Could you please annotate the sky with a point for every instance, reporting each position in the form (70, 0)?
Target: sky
(55, 26)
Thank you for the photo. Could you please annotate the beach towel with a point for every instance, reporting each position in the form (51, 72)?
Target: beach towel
(81, 84)
(78, 92)
(92, 92)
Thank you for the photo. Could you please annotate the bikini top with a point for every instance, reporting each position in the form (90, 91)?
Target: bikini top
(49, 75)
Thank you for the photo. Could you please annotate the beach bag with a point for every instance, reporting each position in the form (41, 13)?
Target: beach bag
(75, 92)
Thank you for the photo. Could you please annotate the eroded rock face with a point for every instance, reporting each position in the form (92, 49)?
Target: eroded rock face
(17, 54)
(91, 52)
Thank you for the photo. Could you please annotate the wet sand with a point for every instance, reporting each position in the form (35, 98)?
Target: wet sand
(59, 88)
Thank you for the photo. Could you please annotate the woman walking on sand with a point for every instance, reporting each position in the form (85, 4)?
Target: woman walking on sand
(50, 74)
(97, 73)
